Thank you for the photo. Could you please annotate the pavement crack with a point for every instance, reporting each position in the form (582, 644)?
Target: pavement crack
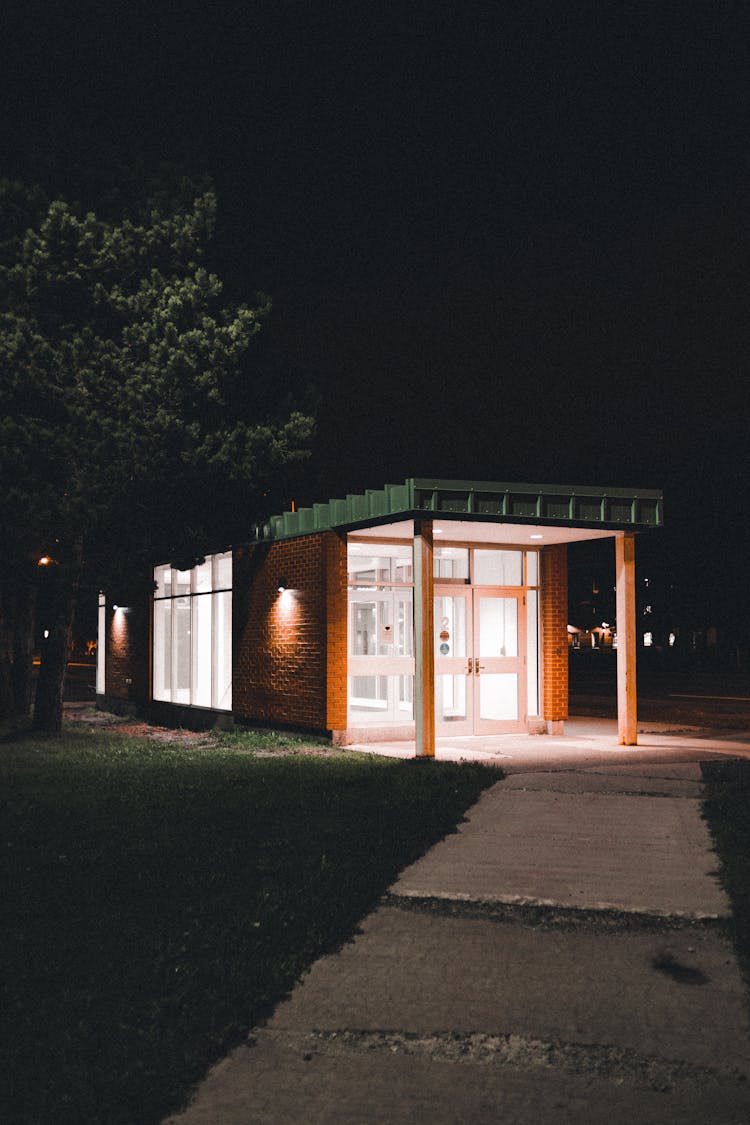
(552, 917)
(612, 791)
(620, 1064)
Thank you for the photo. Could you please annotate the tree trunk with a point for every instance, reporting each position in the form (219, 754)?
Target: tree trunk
(48, 705)
(23, 651)
(17, 607)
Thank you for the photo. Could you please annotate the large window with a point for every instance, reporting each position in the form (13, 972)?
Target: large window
(192, 638)
(381, 634)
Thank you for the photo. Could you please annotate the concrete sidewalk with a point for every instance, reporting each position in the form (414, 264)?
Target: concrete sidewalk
(586, 741)
(562, 957)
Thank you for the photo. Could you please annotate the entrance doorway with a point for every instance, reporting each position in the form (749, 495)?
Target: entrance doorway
(480, 661)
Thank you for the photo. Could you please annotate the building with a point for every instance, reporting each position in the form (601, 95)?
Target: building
(426, 608)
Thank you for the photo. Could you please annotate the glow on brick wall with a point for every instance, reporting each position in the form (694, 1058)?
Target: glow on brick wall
(286, 610)
(119, 627)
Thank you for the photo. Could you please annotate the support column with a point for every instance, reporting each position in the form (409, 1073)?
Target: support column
(627, 708)
(424, 639)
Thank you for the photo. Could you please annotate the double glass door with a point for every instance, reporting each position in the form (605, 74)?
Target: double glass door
(480, 681)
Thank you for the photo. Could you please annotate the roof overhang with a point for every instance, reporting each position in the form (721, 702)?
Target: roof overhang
(478, 511)
(483, 531)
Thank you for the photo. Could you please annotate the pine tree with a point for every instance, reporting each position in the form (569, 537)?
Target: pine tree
(129, 425)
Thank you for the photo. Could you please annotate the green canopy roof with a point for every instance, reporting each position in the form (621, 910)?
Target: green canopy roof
(633, 509)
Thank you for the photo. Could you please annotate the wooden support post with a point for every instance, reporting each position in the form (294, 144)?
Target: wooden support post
(424, 640)
(627, 704)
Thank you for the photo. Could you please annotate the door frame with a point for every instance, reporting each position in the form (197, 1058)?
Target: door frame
(514, 664)
(472, 665)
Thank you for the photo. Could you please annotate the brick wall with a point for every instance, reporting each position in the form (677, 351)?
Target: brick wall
(554, 614)
(126, 669)
(289, 662)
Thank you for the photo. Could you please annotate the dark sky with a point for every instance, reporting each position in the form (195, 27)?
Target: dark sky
(508, 241)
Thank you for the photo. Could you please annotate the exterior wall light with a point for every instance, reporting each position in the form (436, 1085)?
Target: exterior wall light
(283, 584)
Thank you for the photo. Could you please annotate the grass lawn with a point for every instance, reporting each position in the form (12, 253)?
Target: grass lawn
(158, 901)
(727, 811)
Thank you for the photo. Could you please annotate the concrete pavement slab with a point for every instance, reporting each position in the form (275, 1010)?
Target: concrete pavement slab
(652, 855)
(293, 1078)
(422, 973)
(615, 780)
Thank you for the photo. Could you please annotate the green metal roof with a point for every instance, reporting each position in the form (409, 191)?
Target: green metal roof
(632, 509)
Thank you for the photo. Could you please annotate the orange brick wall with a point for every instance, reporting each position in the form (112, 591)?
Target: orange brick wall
(289, 663)
(554, 613)
(126, 668)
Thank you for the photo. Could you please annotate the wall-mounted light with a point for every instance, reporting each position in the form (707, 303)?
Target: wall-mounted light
(283, 584)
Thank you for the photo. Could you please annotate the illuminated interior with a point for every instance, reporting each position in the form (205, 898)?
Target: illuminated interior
(192, 634)
(486, 634)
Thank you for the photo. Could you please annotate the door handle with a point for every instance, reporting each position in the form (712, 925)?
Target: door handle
(470, 667)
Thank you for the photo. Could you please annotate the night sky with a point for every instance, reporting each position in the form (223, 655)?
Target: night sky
(506, 241)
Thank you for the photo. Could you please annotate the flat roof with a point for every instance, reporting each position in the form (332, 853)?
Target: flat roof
(551, 505)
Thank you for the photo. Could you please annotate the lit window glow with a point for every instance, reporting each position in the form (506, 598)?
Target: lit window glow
(192, 634)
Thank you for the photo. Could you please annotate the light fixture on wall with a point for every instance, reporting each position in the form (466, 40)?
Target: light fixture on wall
(283, 584)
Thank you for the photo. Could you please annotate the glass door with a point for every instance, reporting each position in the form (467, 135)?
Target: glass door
(454, 696)
(498, 669)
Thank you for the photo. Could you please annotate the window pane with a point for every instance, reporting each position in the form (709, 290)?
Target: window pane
(202, 577)
(200, 639)
(223, 650)
(451, 562)
(180, 582)
(162, 650)
(532, 568)
(381, 699)
(368, 698)
(383, 565)
(163, 580)
(181, 649)
(498, 627)
(223, 571)
(498, 568)
(498, 695)
(402, 569)
(450, 698)
(405, 697)
(404, 624)
(450, 626)
(362, 631)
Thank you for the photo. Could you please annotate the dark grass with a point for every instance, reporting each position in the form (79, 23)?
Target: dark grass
(157, 902)
(726, 808)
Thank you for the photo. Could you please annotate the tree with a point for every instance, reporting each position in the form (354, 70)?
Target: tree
(129, 425)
